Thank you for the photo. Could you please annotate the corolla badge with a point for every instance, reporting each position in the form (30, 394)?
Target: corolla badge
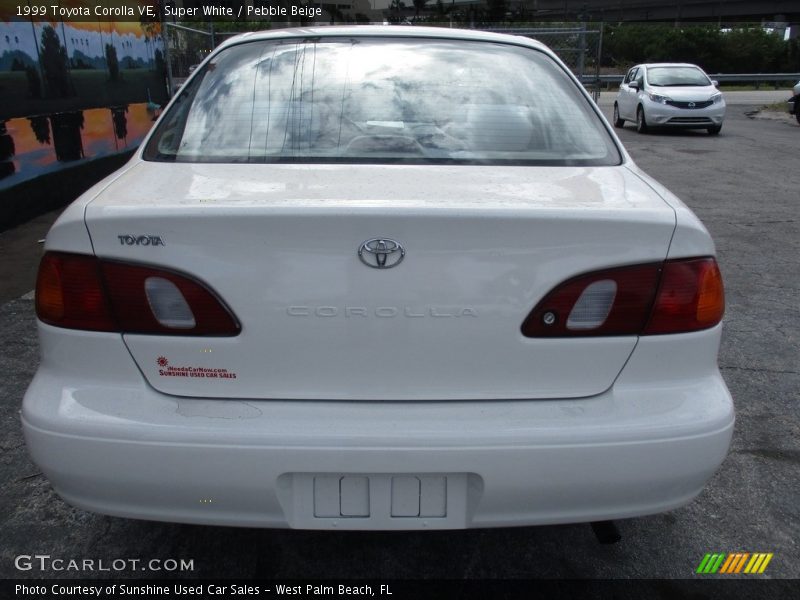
(381, 253)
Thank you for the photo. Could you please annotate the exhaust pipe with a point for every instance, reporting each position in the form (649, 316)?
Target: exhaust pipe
(606, 532)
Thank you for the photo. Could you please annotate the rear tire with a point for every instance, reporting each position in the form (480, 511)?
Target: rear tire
(618, 123)
(641, 121)
(797, 114)
(714, 130)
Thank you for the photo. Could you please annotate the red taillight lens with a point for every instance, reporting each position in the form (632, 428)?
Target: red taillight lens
(130, 289)
(691, 297)
(69, 293)
(83, 292)
(676, 296)
(626, 314)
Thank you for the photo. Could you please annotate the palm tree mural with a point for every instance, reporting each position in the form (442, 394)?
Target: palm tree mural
(41, 129)
(112, 62)
(54, 64)
(6, 152)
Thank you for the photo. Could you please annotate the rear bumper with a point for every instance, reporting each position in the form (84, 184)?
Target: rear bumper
(646, 445)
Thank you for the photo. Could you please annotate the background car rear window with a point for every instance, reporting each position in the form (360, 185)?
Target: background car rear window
(382, 100)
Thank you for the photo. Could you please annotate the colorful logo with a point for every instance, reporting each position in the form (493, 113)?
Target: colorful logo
(736, 562)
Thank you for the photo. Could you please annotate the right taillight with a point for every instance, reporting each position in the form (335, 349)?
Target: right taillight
(77, 291)
(676, 296)
(690, 297)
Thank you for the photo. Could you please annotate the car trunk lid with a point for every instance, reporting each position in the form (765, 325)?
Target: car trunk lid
(279, 245)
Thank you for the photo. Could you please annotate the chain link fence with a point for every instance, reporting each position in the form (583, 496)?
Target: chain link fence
(579, 47)
(185, 47)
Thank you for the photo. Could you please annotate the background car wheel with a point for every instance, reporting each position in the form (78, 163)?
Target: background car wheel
(641, 122)
(618, 123)
(797, 114)
(714, 130)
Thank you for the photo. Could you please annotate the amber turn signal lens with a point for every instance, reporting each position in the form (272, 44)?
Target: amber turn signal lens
(690, 298)
(49, 298)
(711, 303)
(69, 293)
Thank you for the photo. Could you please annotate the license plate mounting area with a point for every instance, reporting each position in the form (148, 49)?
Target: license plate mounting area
(378, 500)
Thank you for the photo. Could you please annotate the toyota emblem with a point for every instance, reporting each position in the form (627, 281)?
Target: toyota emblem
(381, 253)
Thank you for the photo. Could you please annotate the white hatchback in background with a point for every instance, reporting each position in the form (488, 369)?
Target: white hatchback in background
(669, 95)
(379, 278)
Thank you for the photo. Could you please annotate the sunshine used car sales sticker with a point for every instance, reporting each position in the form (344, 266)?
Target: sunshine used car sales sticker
(167, 370)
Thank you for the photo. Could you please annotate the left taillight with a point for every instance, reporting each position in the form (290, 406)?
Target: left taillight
(70, 293)
(77, 291)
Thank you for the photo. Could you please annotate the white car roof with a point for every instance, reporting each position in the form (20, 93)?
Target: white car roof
(671, 65)
(387, 31)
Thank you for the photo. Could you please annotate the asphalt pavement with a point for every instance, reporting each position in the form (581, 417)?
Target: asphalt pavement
(745, 185)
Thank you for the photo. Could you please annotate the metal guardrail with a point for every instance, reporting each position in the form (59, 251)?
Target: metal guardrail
(757, 77)
(721, 77)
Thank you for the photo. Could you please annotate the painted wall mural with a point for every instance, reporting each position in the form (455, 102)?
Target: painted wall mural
(74, 91)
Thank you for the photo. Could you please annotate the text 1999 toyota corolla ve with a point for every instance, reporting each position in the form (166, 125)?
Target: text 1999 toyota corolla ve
(379, 278)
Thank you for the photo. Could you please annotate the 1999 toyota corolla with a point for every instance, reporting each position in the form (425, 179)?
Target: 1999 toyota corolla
(379, 278)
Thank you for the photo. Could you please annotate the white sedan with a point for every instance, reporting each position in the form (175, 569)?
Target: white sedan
(669, 95)
(379, 278)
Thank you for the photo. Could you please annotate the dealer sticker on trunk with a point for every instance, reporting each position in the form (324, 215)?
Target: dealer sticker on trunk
(167, 370)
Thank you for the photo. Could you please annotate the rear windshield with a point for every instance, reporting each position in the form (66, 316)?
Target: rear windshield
(368, 100)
